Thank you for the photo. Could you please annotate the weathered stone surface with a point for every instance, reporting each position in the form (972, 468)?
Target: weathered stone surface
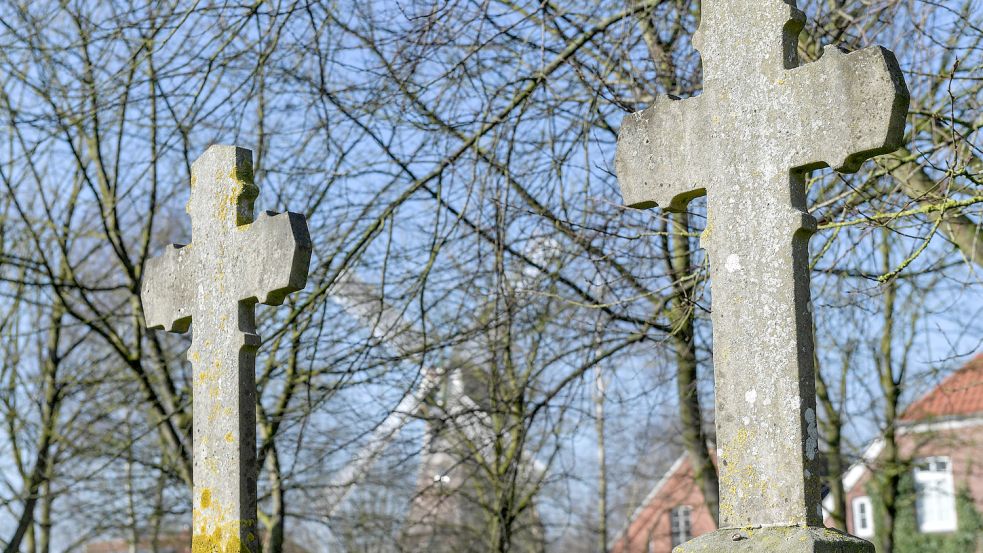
(214, 283)
(760, 122)
(776, 539)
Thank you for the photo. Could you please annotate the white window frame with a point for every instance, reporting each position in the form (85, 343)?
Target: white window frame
(682, 513)
(863, 517)
(935, 495)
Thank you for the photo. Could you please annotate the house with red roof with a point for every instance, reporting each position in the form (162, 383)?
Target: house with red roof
(940, 446)
(940, 443)
(672, 513)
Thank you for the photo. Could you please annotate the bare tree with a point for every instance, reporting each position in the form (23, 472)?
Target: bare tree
(457, 155)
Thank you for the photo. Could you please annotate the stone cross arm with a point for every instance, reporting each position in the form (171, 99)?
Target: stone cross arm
(269, 259)
(838, 111)
(282, 241)
(167, 293)
(846, 107)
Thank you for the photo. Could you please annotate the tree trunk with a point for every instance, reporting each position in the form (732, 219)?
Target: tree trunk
(273, 541)
(602, 476)
(44, 518)
(889, 475)
(49, 420)
(681, 319)
(832, 429)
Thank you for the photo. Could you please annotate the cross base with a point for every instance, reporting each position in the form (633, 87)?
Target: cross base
(780, 539)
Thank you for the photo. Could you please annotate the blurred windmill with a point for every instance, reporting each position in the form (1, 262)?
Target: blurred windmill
(444, 514)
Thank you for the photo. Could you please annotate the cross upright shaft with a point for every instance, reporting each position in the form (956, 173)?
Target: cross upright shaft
(214, 283)
(760, 123)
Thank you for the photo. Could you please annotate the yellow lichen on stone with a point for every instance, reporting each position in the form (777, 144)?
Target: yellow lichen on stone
(742, 438)
(206, 498)
(229, 438)
(216, 542)
(222, 536)
(735, 482)
(227, 202)
(242, 175)
(707, 231)
(723, 354)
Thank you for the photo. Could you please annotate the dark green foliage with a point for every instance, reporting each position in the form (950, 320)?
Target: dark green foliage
(968, 538)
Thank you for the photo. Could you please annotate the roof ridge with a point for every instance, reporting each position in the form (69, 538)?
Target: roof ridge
(958, 394)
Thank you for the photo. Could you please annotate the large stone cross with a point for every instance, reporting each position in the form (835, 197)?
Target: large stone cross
(746, 141)
(215, 282)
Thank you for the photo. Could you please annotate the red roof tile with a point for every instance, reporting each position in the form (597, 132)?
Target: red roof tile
(960, 394)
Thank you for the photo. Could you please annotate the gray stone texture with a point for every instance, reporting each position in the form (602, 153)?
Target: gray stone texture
(800, 539)
(746, 141)
(214, 283)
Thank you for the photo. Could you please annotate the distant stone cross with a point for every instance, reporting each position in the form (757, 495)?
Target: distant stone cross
(215, 282)
(760, 123)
